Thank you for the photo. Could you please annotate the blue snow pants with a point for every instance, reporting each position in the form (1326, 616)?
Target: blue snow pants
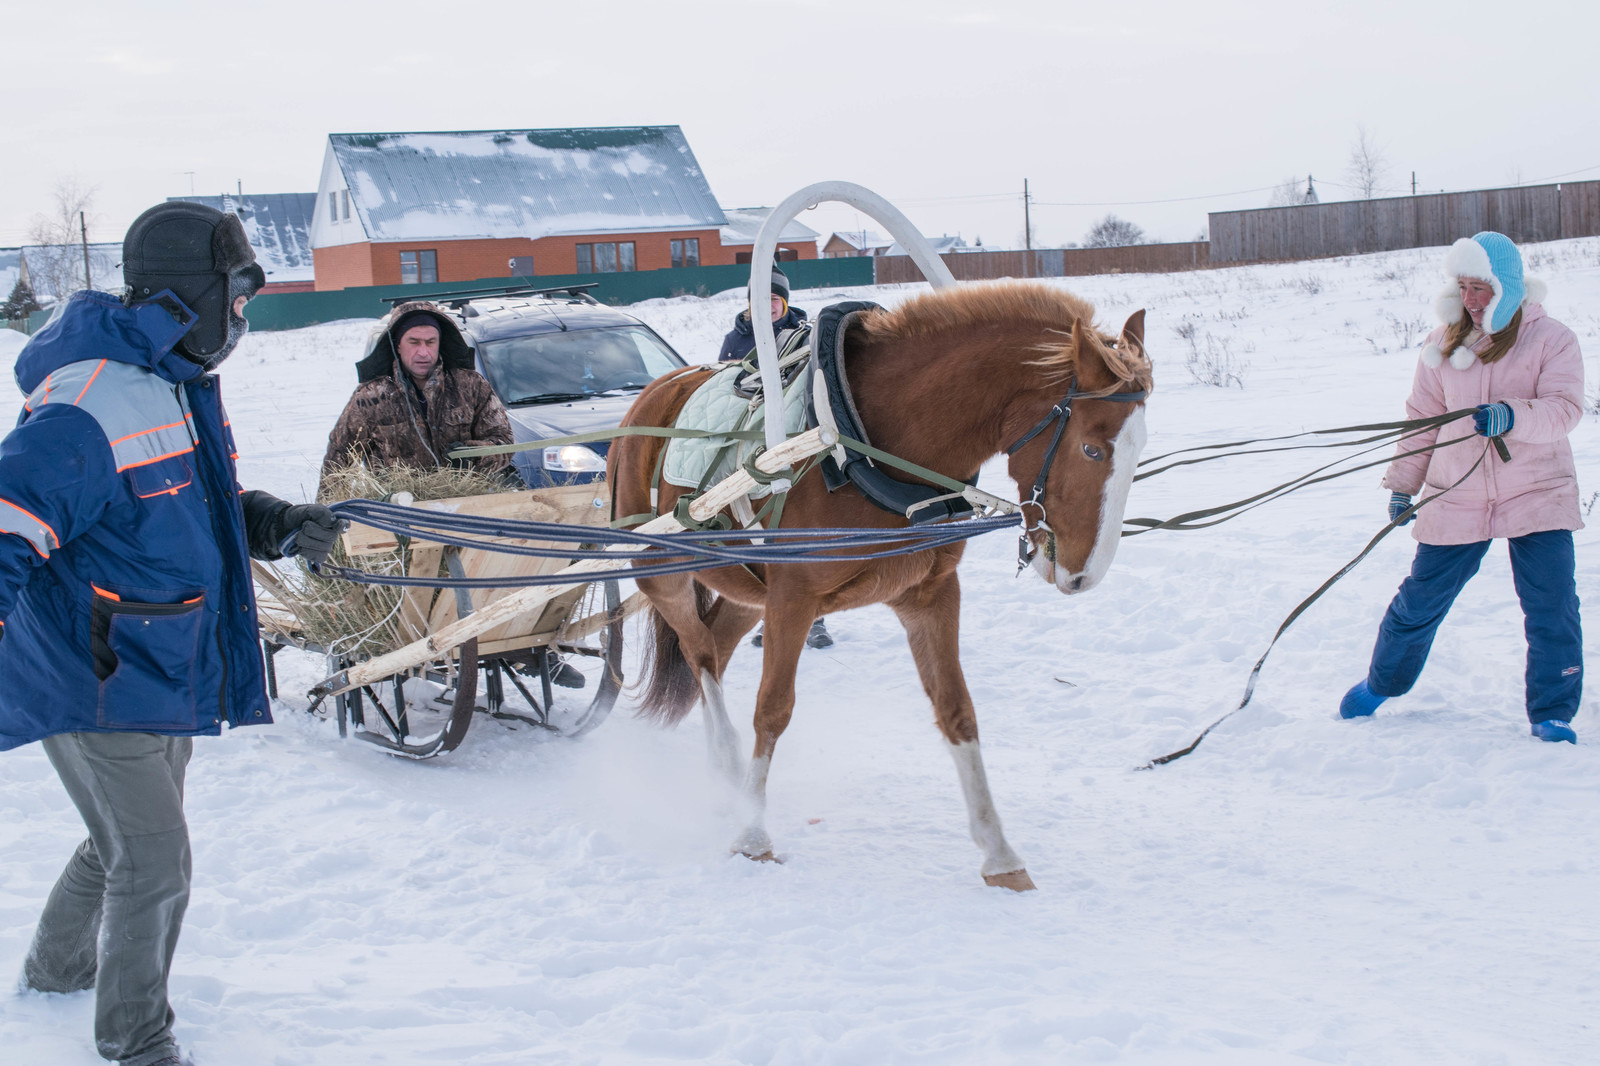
(1543, 568)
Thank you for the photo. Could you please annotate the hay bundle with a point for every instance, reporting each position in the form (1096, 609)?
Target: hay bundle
(359, 620)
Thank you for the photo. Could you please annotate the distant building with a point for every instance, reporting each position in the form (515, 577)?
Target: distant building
(796, 241)
(854, 243)
(940, 246)
(10, 270)
(399, 208)
(279, 228)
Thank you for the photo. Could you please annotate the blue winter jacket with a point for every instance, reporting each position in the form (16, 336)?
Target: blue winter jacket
(125, 587)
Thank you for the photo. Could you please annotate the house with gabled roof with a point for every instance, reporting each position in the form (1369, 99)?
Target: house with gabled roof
(398, 208)
(848, 244)
(279, 228)
(795, 241)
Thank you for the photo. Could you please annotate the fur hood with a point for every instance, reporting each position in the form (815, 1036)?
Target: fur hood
(454, 351)
(1447, 305)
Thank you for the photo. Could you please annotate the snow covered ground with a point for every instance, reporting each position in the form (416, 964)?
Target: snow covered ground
(1416, 888)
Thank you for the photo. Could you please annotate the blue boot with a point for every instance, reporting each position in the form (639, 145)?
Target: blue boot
(1359, 702)
(1555, 730)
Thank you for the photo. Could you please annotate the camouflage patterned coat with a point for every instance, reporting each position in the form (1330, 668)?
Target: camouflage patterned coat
(390, 421)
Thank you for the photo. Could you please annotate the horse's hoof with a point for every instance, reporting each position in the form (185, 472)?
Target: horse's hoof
(1015, 880)
(765, 856)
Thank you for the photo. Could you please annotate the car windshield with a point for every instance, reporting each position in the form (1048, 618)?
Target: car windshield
(549, 367)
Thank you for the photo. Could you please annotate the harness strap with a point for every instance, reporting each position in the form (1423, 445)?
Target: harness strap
(603, 435)
(1255, 672)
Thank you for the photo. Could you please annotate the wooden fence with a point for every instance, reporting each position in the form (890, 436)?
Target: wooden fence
(1052, 262)
(1312, 231)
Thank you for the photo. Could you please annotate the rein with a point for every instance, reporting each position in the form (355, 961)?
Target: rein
(1401, 519)
(1059, 415)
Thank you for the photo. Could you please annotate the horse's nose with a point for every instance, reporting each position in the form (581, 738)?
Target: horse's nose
(1076, 584)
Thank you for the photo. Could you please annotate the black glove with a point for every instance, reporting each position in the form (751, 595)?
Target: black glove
(315, 530)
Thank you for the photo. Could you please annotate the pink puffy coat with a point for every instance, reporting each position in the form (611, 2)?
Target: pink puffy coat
(1541, 378)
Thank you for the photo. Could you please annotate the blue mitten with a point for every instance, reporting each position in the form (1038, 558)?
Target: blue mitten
(1493, 419)
(1398, 502)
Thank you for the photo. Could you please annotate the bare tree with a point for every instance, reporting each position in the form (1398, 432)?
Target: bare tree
(55, 268)
(1113, 232)
(1285, 194)
(1369, 164)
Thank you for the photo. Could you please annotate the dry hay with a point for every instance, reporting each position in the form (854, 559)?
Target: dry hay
(357, 620)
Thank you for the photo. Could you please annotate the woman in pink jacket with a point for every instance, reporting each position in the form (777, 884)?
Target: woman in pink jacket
(1521, 369)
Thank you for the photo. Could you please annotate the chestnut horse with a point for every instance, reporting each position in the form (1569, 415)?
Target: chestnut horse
(946, 381)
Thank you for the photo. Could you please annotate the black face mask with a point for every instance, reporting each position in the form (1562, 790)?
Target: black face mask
(246, 283)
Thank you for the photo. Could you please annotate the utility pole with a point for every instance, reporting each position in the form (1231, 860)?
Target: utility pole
(241, 187)
(1413, 183)
(83, 227)
(191, 181)
(1027, 220)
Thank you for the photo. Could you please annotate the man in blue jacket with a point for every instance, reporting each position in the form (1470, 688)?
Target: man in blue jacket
(127, 613)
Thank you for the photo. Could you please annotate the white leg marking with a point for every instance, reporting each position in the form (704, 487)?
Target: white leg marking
(754, 841)
(722, 742)
(982, 819)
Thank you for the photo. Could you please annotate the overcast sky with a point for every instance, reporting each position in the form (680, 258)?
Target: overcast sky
(943, 107)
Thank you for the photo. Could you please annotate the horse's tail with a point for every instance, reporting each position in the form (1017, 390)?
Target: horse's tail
(668, 686)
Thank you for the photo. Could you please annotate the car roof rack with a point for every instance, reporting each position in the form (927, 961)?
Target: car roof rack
(460, 298)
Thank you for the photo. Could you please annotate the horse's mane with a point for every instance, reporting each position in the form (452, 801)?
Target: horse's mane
(1054, 310)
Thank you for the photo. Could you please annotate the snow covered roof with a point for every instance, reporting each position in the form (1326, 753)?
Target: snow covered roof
(10, 270)
(860, 239)
(53, 267)
(744, 226)
(279, 228)
(524, 183)
(940, 246)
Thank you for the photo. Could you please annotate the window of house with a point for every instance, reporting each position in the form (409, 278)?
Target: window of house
(686, 253)
(605, 257)
(345, 196)
(419, 268)
(333, 205)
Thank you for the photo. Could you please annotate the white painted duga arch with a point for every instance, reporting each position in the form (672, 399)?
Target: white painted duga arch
(862, 199)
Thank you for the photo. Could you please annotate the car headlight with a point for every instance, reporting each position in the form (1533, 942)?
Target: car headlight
(573, 459)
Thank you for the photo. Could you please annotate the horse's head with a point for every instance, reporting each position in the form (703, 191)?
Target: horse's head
(1090, 407)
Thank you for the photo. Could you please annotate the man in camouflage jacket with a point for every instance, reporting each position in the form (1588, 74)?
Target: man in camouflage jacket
(418, 398)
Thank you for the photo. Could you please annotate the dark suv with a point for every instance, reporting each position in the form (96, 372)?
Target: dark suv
(562, 364)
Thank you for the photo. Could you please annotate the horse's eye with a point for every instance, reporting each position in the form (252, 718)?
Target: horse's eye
(1093, 453)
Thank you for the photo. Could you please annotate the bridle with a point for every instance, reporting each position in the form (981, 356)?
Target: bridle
(1058, 416)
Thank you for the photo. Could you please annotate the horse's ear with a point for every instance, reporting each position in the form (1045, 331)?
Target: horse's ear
(1133, 329)
(1078, 333)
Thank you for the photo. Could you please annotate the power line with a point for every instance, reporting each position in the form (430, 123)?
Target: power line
(1136, 203)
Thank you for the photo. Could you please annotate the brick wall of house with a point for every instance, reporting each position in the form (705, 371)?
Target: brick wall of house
(651, 251)
(345, 265)
(342, 266)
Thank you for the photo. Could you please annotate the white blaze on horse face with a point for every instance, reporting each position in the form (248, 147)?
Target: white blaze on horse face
(1125, 449)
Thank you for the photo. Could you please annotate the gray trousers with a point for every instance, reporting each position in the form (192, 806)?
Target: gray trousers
(112, 921)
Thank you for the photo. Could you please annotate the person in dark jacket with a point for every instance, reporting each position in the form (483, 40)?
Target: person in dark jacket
(127, 612)
(418, 398)
(741, 339)
(740, 342)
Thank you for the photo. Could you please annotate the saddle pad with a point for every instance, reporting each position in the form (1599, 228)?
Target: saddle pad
(715, 406)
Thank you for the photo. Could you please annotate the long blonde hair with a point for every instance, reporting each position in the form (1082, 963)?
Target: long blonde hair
(1499, 343)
